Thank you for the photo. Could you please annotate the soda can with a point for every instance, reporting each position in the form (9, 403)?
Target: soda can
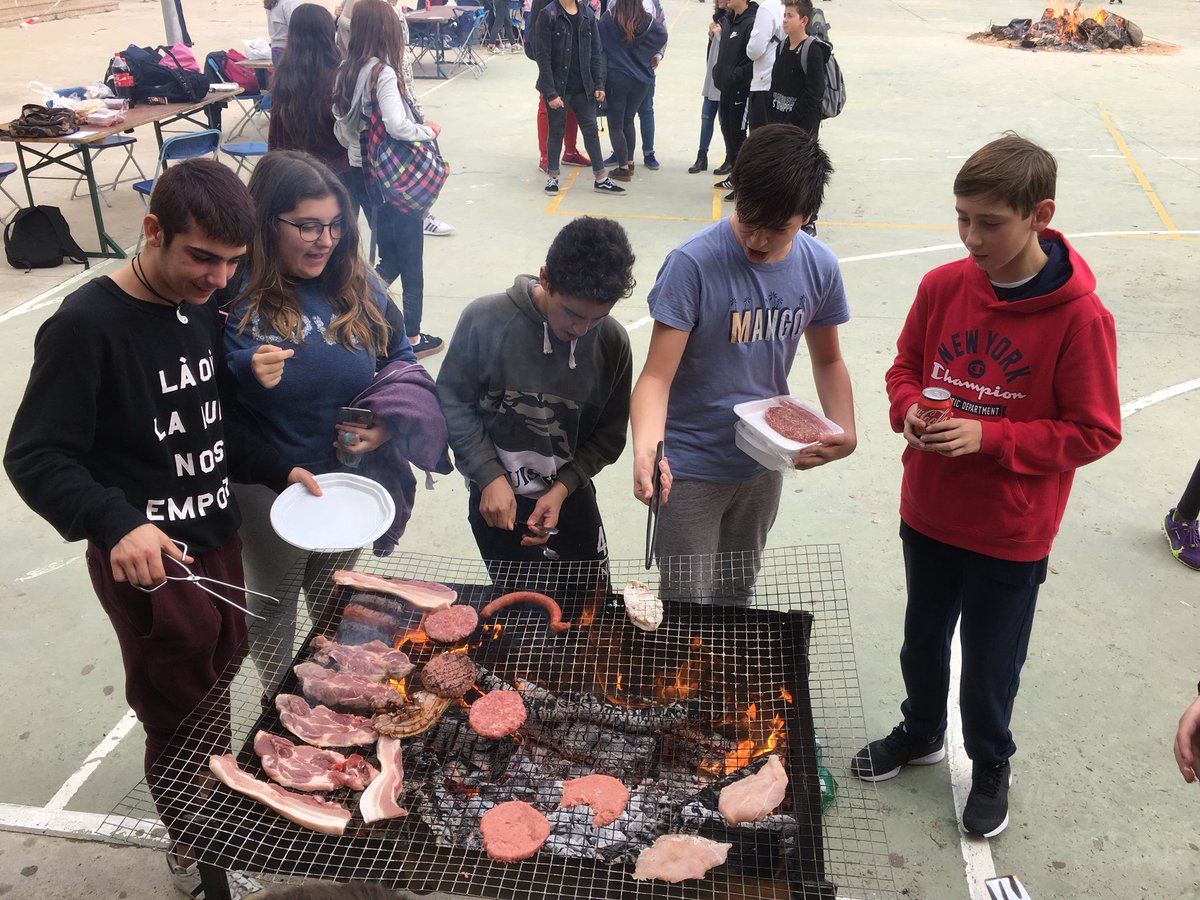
(934, 406)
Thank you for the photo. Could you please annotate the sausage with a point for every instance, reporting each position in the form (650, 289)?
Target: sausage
(552, 608)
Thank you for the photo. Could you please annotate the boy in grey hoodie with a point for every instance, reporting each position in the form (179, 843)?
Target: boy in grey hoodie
(535, 390)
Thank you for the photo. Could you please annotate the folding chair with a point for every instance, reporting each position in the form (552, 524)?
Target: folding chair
(249, 104)
(7, 169)
(245, 151)
(465, 38)
(174, 149)
(125, 141)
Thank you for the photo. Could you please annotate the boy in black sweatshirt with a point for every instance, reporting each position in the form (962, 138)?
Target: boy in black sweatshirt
(732, 75)
(535, 390)
(120, 439)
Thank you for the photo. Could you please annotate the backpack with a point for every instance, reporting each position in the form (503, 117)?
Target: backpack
(818, 27)
(38, 237)
(834, 98)
(244, 78)
(154, 82)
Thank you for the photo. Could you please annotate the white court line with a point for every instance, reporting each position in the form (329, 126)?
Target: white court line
(76, 824)
(69, 788)
(644, 320)
(1133, 406)
(47, 569)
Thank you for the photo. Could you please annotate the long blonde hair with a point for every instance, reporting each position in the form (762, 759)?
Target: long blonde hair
(281, 180)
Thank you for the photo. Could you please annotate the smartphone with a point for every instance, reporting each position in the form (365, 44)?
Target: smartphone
(349, 415)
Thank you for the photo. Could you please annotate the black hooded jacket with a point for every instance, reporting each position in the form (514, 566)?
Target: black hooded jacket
(734, 70)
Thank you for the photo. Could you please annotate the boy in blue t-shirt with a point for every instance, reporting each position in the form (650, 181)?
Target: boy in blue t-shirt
(730, 305)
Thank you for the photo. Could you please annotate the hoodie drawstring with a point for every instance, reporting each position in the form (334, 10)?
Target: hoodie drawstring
(546, 348)
(571, 358)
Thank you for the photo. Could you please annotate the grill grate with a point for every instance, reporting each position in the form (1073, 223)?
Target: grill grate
(674, 713)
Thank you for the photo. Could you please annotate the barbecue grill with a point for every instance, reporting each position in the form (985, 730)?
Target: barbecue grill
(676, 714)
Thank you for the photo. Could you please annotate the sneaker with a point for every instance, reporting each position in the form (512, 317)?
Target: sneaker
(436, 227)
(651, 162)
(544, 166)
(187, 881)
(427, 345)
(725, 185)
(723, 169)
(730, 197)
(551, 185)
(883, 759)
(1184, 538)
(612, 160)
(621, 174)
(608, 186)
(576, 159)
(986, 812)
(809, 228)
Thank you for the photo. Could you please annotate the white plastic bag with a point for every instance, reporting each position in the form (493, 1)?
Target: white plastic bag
(257, 48)
(98, 90)
(48, 97)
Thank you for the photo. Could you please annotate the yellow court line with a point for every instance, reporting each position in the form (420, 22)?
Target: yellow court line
(718, 200)
(562, 192)
(1137, 171)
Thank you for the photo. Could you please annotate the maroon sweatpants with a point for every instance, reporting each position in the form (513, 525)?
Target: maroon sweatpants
(181, 648)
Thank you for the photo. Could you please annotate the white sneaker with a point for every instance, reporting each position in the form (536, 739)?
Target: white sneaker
(187, 881)
(436, 227)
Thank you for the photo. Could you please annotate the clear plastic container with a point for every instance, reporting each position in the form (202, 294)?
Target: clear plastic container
(764, 444)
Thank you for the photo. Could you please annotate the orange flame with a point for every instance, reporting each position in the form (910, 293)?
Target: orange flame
(749, 749)
(785, 695)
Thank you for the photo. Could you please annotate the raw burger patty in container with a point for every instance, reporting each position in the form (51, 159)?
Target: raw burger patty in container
(795, 423)
(448, 675)
(497, 714)
(513, 831)
(452, 624)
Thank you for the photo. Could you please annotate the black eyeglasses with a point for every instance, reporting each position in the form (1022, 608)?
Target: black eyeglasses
(312, 231)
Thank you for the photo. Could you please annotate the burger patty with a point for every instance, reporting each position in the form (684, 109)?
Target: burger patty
(795, 423)
(513, 831)
(497, 714)
(452, 624)
(448, 675)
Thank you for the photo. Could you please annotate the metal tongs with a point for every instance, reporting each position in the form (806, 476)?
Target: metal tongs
(652, 511)
(199, 581)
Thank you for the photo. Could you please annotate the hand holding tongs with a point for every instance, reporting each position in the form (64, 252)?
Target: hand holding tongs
(199, 581)
(652, 510)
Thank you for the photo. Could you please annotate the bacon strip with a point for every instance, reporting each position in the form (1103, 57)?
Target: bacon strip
(378, 801)
(310, 812)
(552, 608)
(426, 595)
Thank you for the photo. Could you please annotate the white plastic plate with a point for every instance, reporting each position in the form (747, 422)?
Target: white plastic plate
(753, 413)
(352, 512)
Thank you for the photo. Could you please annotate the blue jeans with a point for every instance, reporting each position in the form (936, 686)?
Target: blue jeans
(995, 599)
(646, 120)
(708, 120)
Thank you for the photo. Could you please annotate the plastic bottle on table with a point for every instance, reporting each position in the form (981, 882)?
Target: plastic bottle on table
(122, 78)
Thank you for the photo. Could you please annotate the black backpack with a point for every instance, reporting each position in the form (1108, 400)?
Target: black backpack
(164, 84)
(38, 238)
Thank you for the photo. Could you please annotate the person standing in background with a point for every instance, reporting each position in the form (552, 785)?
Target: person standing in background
(633, 40)
(732, 75)
(1180, 525)
(571, 155)
(279, 15)
(297, 123)
(765, 38)
(711, 95)
(376, 43)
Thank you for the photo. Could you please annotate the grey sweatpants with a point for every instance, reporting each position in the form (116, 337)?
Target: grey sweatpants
(272, 567)
(703, 518)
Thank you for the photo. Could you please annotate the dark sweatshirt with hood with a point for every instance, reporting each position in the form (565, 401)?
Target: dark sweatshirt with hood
(734, 69)
(1039, 374)
(523, 404)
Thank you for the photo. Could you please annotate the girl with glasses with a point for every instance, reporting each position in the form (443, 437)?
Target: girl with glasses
(305, 334)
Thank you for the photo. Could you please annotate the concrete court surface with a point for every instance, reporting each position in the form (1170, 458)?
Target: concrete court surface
(1098, 808)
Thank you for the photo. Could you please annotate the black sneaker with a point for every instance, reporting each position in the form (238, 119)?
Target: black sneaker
(551, 185)
(427, 345)
(883, 759)
(723, 185)
(608, 186)
(986, 812)
(809, 228)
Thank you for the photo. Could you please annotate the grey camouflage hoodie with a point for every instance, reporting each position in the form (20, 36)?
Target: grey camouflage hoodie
(523, 404)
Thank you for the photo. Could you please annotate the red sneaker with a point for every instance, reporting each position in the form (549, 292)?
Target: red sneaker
(543, 164)
(576, 159)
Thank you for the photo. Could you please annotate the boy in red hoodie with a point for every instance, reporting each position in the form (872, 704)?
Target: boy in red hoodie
(1016, 335)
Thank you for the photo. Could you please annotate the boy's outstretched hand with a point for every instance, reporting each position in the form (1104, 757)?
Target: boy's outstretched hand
(498, 504)
(831, 447)
(951, 437)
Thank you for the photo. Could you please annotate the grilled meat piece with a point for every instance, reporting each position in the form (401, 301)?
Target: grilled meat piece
(375, 661)
(304, 768)
(311, 812)
(321, 726)
(552, 608)
(344, 690)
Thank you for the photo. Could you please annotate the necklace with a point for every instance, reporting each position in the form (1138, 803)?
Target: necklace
(136, 265)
